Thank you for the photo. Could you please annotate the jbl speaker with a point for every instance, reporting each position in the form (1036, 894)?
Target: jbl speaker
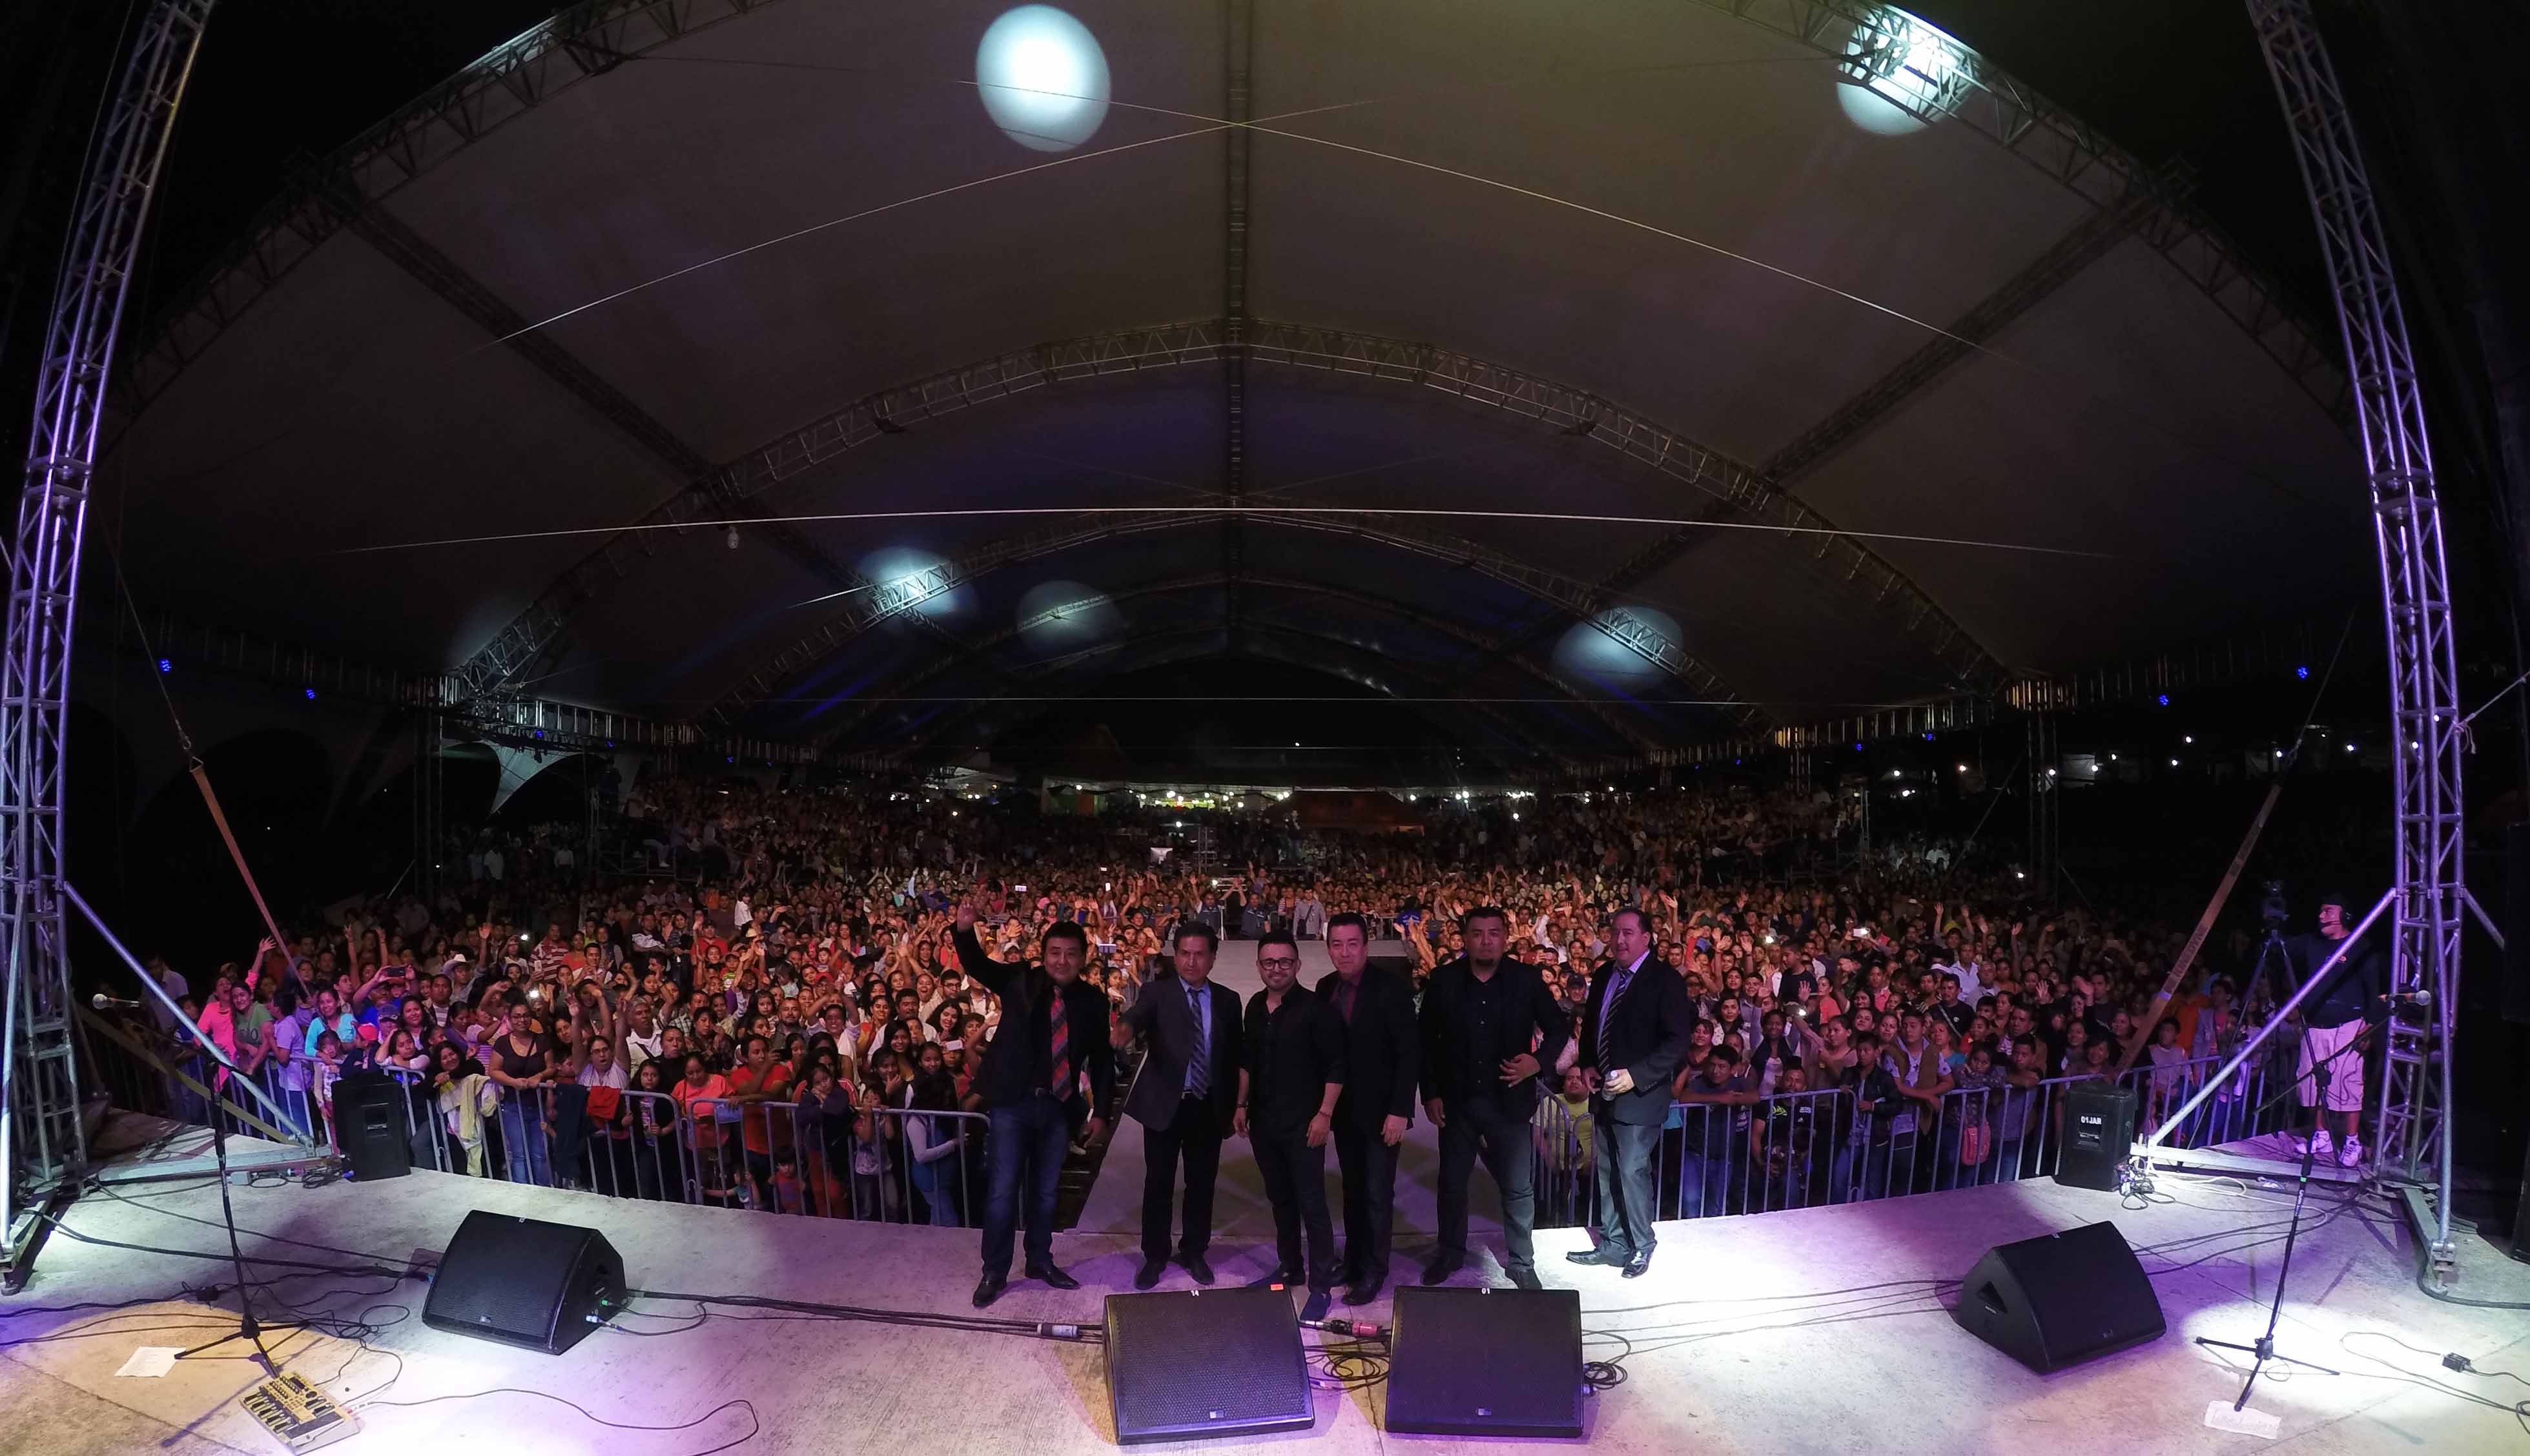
(2099, 1133)
(1205, 1363)
(369, 1109)
(1485, 1362)
(2062, 1298)
(524, 1282)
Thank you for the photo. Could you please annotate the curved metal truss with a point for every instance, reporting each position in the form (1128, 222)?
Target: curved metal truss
(534, 642)
(1320, 651)
(2413, 1141)
(866, 611)
(1367, 601)
(39, 1090)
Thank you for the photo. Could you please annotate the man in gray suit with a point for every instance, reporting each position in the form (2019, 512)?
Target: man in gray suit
(1183, 1097)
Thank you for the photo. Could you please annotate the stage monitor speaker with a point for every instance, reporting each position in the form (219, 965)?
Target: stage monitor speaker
(2099, 1133)
(2060, 1298)
(1485, 1362)
(1205, 1363)
(2516, 924)
(368, 1126)
(524, 1282)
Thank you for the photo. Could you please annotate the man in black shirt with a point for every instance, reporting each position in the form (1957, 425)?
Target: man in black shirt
(1382, 1060)
(2331, 1062)
(1489, 1023)
(1054, 1028)
(1290, 1074)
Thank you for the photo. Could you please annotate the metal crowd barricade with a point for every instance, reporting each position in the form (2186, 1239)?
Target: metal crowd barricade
(1562, 1180)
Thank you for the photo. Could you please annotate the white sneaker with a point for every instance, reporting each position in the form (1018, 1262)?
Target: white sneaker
(2351, 1153)
(2317, 1145)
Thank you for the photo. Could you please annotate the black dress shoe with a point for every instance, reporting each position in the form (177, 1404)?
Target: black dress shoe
(1439, 1271)
(1347, 1274)
(1314, 1309)
(1608, 1257)
(1363, 1292)
(1638, 1265)
(1524, 1279)
(1149, 1274)
(1272, 1277)
(1052, 1276)
(1193, 1264)
(989, 1288)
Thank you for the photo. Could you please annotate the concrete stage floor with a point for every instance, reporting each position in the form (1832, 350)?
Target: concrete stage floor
(1811, 1330)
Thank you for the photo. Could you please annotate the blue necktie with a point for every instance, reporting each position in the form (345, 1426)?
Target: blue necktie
(1199, 1063)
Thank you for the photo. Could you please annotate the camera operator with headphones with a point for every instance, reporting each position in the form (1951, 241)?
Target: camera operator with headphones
(2331, 1076)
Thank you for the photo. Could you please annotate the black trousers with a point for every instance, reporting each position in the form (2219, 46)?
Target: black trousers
(1194, 1135)
(1624, 1194)
(1482, 1127)
(1296, 1180)
(1369, 1197)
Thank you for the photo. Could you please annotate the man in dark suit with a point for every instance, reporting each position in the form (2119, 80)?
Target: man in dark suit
(1635, 1027)
(1489, 1024)
(1291, 1073)
(1383, 1057)
(1054, 1028)
(1184, 1098)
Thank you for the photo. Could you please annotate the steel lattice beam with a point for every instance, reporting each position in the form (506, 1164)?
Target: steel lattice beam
(1238, 29)
(2011, 113)
(2428, 741)
(866, 611)
(45, 1144)
(515, 78)
(1315, 648)
(1368, 601)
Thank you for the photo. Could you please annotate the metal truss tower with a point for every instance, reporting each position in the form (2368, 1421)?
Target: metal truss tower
(2413, 1138)
(39, 1086)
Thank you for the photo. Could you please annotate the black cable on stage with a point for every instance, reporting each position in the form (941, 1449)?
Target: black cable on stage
(1086, 1330)
(379, 1268)
(754, 1424)
(276, 1238)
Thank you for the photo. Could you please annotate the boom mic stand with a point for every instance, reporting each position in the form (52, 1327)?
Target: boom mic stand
(248, 1329)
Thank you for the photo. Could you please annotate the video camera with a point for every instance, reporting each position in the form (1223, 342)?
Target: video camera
(2275, 909)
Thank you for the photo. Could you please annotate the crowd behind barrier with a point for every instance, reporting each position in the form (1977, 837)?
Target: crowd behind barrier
(766, 1009)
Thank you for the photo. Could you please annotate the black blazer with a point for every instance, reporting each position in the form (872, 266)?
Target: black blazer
(1383, 1049)
(1161, 1016)
(1455, 1069)
(1648, 1036)
(1016, 1060)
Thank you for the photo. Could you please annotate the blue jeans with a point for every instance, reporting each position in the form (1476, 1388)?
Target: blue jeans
(522, 1136)
(1840, 1173)
(1704, 1184)
(1025, 1144)
(1889, 1169)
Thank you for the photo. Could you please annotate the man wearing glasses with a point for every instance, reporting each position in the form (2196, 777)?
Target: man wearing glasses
(1291, 1074)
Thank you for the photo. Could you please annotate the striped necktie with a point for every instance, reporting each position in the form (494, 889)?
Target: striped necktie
(1618, 986)
(1199, 1062)
(1058, 1045)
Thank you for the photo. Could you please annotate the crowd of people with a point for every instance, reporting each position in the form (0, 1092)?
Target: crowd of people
(774, 1009)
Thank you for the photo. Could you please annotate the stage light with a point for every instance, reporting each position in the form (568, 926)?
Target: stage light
(1857, 748)
(2187, 737)
(2173, 763)
(2163, 700)
(1043, 78)
(165, 666)
(312, 697)
(2348, 747)
(2302, 672)
(1910, 65)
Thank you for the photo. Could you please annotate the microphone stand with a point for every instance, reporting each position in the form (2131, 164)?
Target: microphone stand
(249, 1329)
(2263, 1349)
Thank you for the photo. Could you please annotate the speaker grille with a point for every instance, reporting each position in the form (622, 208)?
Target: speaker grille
(1215, 1362)
(1486, 1362)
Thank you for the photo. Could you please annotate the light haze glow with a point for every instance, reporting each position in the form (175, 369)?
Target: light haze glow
(1043, 78)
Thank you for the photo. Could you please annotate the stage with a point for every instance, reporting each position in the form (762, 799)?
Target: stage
(1819, 1330)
